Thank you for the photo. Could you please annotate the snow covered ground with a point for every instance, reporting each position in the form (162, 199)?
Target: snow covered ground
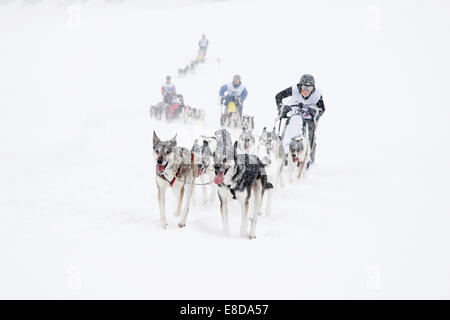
(78, 210)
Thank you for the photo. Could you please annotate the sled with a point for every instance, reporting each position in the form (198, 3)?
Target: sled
(231, 107)
(230, 114)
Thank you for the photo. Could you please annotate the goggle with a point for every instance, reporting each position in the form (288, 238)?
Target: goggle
(307, 88)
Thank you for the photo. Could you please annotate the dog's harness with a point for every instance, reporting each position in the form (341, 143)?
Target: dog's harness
(176, 175)
(171, 182)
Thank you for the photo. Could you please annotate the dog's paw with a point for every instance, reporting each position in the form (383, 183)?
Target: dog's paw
(251, 236)
(164, 225)
(244, 233)
(181, 225)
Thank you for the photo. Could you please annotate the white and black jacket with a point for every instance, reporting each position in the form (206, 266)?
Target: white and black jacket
(315, 99)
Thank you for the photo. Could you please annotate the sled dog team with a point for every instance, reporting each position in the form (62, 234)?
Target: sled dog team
(245, 170)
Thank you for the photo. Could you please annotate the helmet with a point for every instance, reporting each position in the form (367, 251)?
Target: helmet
(237, 77)
(307, 80)
(167, 78)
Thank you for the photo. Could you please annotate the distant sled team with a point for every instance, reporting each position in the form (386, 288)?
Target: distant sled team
(172, 107)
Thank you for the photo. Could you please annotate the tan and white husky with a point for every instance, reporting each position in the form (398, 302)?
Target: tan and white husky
(174, 170)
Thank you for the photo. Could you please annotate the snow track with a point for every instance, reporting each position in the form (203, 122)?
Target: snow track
(78, 210)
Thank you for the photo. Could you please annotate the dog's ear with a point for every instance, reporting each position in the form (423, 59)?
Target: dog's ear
(235, 151)
(156, 140)
(173, 141)
(264, 130)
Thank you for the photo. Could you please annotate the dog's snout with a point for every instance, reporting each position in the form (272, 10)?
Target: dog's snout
(160, 160)
(217, 167)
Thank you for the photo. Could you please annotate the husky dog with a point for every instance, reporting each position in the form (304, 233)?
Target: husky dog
(186, 114)
(183, 72)
(241, 177)
(298, 156)
(202, 158)
(174, 170)
(246, 142)
(156, 111)
(200, 115)
(271, 152)
(193, 65)
(234, 121)
(248, 122)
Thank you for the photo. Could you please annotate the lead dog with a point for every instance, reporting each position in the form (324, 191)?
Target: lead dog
(240, 177)
(174, 170)
(186, 114)
(299, 154)
(156, 111)
(183, 72)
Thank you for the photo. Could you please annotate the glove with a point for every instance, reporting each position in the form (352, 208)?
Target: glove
(279, 107)
(285, 111)
(307, 113)
(219, 102)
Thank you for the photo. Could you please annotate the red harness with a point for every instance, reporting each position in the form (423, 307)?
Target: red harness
(176, 176)
(171, 182)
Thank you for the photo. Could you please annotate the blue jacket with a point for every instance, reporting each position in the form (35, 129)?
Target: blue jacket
(232, 90)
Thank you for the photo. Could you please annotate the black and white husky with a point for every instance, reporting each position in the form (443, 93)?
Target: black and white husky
(241, 177)
(174, 170)
(271, 152)
(248, 122)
